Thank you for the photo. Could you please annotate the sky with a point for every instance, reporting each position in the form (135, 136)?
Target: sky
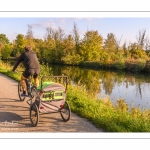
(125, 29)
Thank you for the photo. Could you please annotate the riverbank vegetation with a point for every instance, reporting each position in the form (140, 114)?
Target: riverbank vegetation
(90, 51)
(112, 117)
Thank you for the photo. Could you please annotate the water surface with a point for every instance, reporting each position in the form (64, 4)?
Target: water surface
(133, 88)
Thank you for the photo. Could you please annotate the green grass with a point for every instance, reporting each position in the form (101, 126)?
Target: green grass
(102, 113)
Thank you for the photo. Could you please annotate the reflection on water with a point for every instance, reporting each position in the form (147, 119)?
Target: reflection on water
(133, 88)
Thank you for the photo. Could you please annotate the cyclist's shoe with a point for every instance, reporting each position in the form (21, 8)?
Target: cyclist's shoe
(24, 94)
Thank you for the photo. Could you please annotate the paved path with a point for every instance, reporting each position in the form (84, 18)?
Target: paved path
(14, 114)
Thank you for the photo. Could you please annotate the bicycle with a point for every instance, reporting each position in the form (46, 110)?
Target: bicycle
(30, 88)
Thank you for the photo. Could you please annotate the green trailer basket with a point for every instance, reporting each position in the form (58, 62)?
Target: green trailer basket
(52, 91)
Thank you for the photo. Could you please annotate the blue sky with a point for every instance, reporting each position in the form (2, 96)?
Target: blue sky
(125, 28)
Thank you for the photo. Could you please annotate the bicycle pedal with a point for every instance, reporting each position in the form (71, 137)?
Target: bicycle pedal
(24, 95)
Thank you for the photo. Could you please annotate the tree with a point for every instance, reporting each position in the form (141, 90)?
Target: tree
(69, 55)
(125, 50)
(137, 51)
(48, 48)
(147, 44)
(49, 33)
(39, 45)
(3, 42)
(141, 38)
(76, 37)
(19, 44)
(4, 39)
(58, 40)
(68, 45)
(110, 44)
(91, 46)
(29, 37)
(6, 51)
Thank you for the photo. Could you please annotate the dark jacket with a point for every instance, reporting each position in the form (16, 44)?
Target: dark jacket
(29, 59)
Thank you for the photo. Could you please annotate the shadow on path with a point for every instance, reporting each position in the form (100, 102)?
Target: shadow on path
(10, 100)
(9, 116)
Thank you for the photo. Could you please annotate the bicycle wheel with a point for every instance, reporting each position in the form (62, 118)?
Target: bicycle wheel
(34, 115)
(65, 112)
(34, 91)
(20, 90)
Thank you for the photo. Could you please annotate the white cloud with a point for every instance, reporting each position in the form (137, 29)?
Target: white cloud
(50, 23)
(45, 24)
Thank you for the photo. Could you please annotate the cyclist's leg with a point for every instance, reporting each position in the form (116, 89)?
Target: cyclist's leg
(36, 82)
(35, 76)
(24, 76)
(23, 84)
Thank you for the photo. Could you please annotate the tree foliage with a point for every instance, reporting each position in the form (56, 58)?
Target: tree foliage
(110, 44)
(61, 48)
(91, 46)
(6, 52)
(18, 45)
(3, 42)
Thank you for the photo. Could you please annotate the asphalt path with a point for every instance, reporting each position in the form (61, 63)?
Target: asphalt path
(14, 114)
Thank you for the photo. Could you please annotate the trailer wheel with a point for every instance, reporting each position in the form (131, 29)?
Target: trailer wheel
(34, 114)
(65, 112)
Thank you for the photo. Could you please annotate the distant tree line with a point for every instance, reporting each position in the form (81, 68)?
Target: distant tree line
(57, 47)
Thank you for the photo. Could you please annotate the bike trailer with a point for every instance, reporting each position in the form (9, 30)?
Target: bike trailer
(52, 97)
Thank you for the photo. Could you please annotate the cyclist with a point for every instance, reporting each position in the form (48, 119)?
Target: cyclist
(32, 67)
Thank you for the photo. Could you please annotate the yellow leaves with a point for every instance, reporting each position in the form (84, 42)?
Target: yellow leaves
(121, 104)
(135, 112)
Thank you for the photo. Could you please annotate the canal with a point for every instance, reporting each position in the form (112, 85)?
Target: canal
(133, 88)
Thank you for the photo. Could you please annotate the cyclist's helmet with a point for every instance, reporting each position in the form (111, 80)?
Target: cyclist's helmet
(27, 48)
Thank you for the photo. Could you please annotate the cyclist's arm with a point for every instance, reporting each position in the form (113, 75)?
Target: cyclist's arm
(20, 59)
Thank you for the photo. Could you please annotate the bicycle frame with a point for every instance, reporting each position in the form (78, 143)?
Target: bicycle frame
(29, 87)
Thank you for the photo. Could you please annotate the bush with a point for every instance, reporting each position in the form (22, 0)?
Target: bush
(135, 65)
